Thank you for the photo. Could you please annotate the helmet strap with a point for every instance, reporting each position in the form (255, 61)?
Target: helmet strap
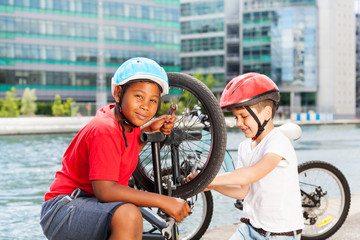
(118, 104)
(261, 127)
(123, 121)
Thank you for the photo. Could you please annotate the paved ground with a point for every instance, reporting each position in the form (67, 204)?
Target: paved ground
(349, 231)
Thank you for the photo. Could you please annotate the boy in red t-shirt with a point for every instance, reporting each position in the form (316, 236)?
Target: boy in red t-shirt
(90, 197)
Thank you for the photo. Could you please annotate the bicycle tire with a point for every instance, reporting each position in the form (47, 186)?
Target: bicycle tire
(190, 94)
(195, 225)
(324, 220)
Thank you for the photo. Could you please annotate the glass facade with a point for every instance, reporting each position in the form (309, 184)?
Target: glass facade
(11, 54)
(203, 26)
(202, 44)
(202, 37)
(48, 44)
(281, 43)
(11, 27)
(266, 4)
(89, 8)
(202, 62)
(357, 11)
(202, 8)
(256, 44)
(293, 47)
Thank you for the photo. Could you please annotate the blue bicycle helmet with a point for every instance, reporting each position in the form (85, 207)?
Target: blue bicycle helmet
(140, 68)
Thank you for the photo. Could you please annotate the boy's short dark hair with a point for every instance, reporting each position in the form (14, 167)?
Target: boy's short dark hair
(264, 103)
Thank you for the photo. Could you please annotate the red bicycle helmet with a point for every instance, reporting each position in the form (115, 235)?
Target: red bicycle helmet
(247, 90)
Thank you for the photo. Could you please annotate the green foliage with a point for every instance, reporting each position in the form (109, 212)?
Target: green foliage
(28, 104)
(199, 76)
(186, 98)
(209, 81)
(67, 106)
(58, 108)
(44, 108)
(164, 109)
(10, 105)
(63, 109)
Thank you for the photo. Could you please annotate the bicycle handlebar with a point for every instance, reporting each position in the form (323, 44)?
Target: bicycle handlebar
(152, 137)
(176, 137)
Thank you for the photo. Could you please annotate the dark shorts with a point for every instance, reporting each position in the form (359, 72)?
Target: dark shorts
(77, 216)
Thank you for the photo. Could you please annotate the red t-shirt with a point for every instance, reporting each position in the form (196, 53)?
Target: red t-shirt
(97, 152)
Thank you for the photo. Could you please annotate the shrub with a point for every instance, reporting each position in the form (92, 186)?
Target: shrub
(10, 105)
(28, 105)
(58, 108)
(44, 108)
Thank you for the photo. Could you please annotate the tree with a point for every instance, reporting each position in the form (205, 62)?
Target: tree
(67, 107)
(28, 104)
(209, 81)
(57, 108)
(10, 106)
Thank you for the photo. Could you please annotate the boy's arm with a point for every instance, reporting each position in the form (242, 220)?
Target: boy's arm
(233, 191)
(247, 175)
(110, 191)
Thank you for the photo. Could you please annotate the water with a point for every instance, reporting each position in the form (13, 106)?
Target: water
(28, 164)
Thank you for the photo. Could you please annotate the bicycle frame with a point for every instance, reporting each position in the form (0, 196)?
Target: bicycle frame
(167, 228)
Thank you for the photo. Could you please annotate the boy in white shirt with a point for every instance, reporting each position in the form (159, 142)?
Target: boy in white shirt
(266, 176)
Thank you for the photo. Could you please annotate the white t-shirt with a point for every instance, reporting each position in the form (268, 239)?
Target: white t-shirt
(273, 203)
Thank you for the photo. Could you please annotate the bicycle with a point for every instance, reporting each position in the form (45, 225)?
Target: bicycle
(200, 130)
(183, 152)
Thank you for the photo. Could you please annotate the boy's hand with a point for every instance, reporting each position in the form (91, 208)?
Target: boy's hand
(168, 124)
(176, 208)
(191, 176)
(208, 188)
(164, 124)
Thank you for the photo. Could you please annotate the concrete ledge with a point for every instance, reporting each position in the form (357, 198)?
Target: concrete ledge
(42, 125)
(38, 125)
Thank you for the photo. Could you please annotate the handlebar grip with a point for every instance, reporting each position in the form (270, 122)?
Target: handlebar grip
(152, 137)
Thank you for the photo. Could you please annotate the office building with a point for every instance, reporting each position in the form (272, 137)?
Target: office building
(357, 12)
(306, 46)
(202, 37)
(73, 47)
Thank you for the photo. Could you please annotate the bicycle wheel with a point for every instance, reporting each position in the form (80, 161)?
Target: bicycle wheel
(193, 226)
(325, 197)
(196, 224)
(197, 142)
